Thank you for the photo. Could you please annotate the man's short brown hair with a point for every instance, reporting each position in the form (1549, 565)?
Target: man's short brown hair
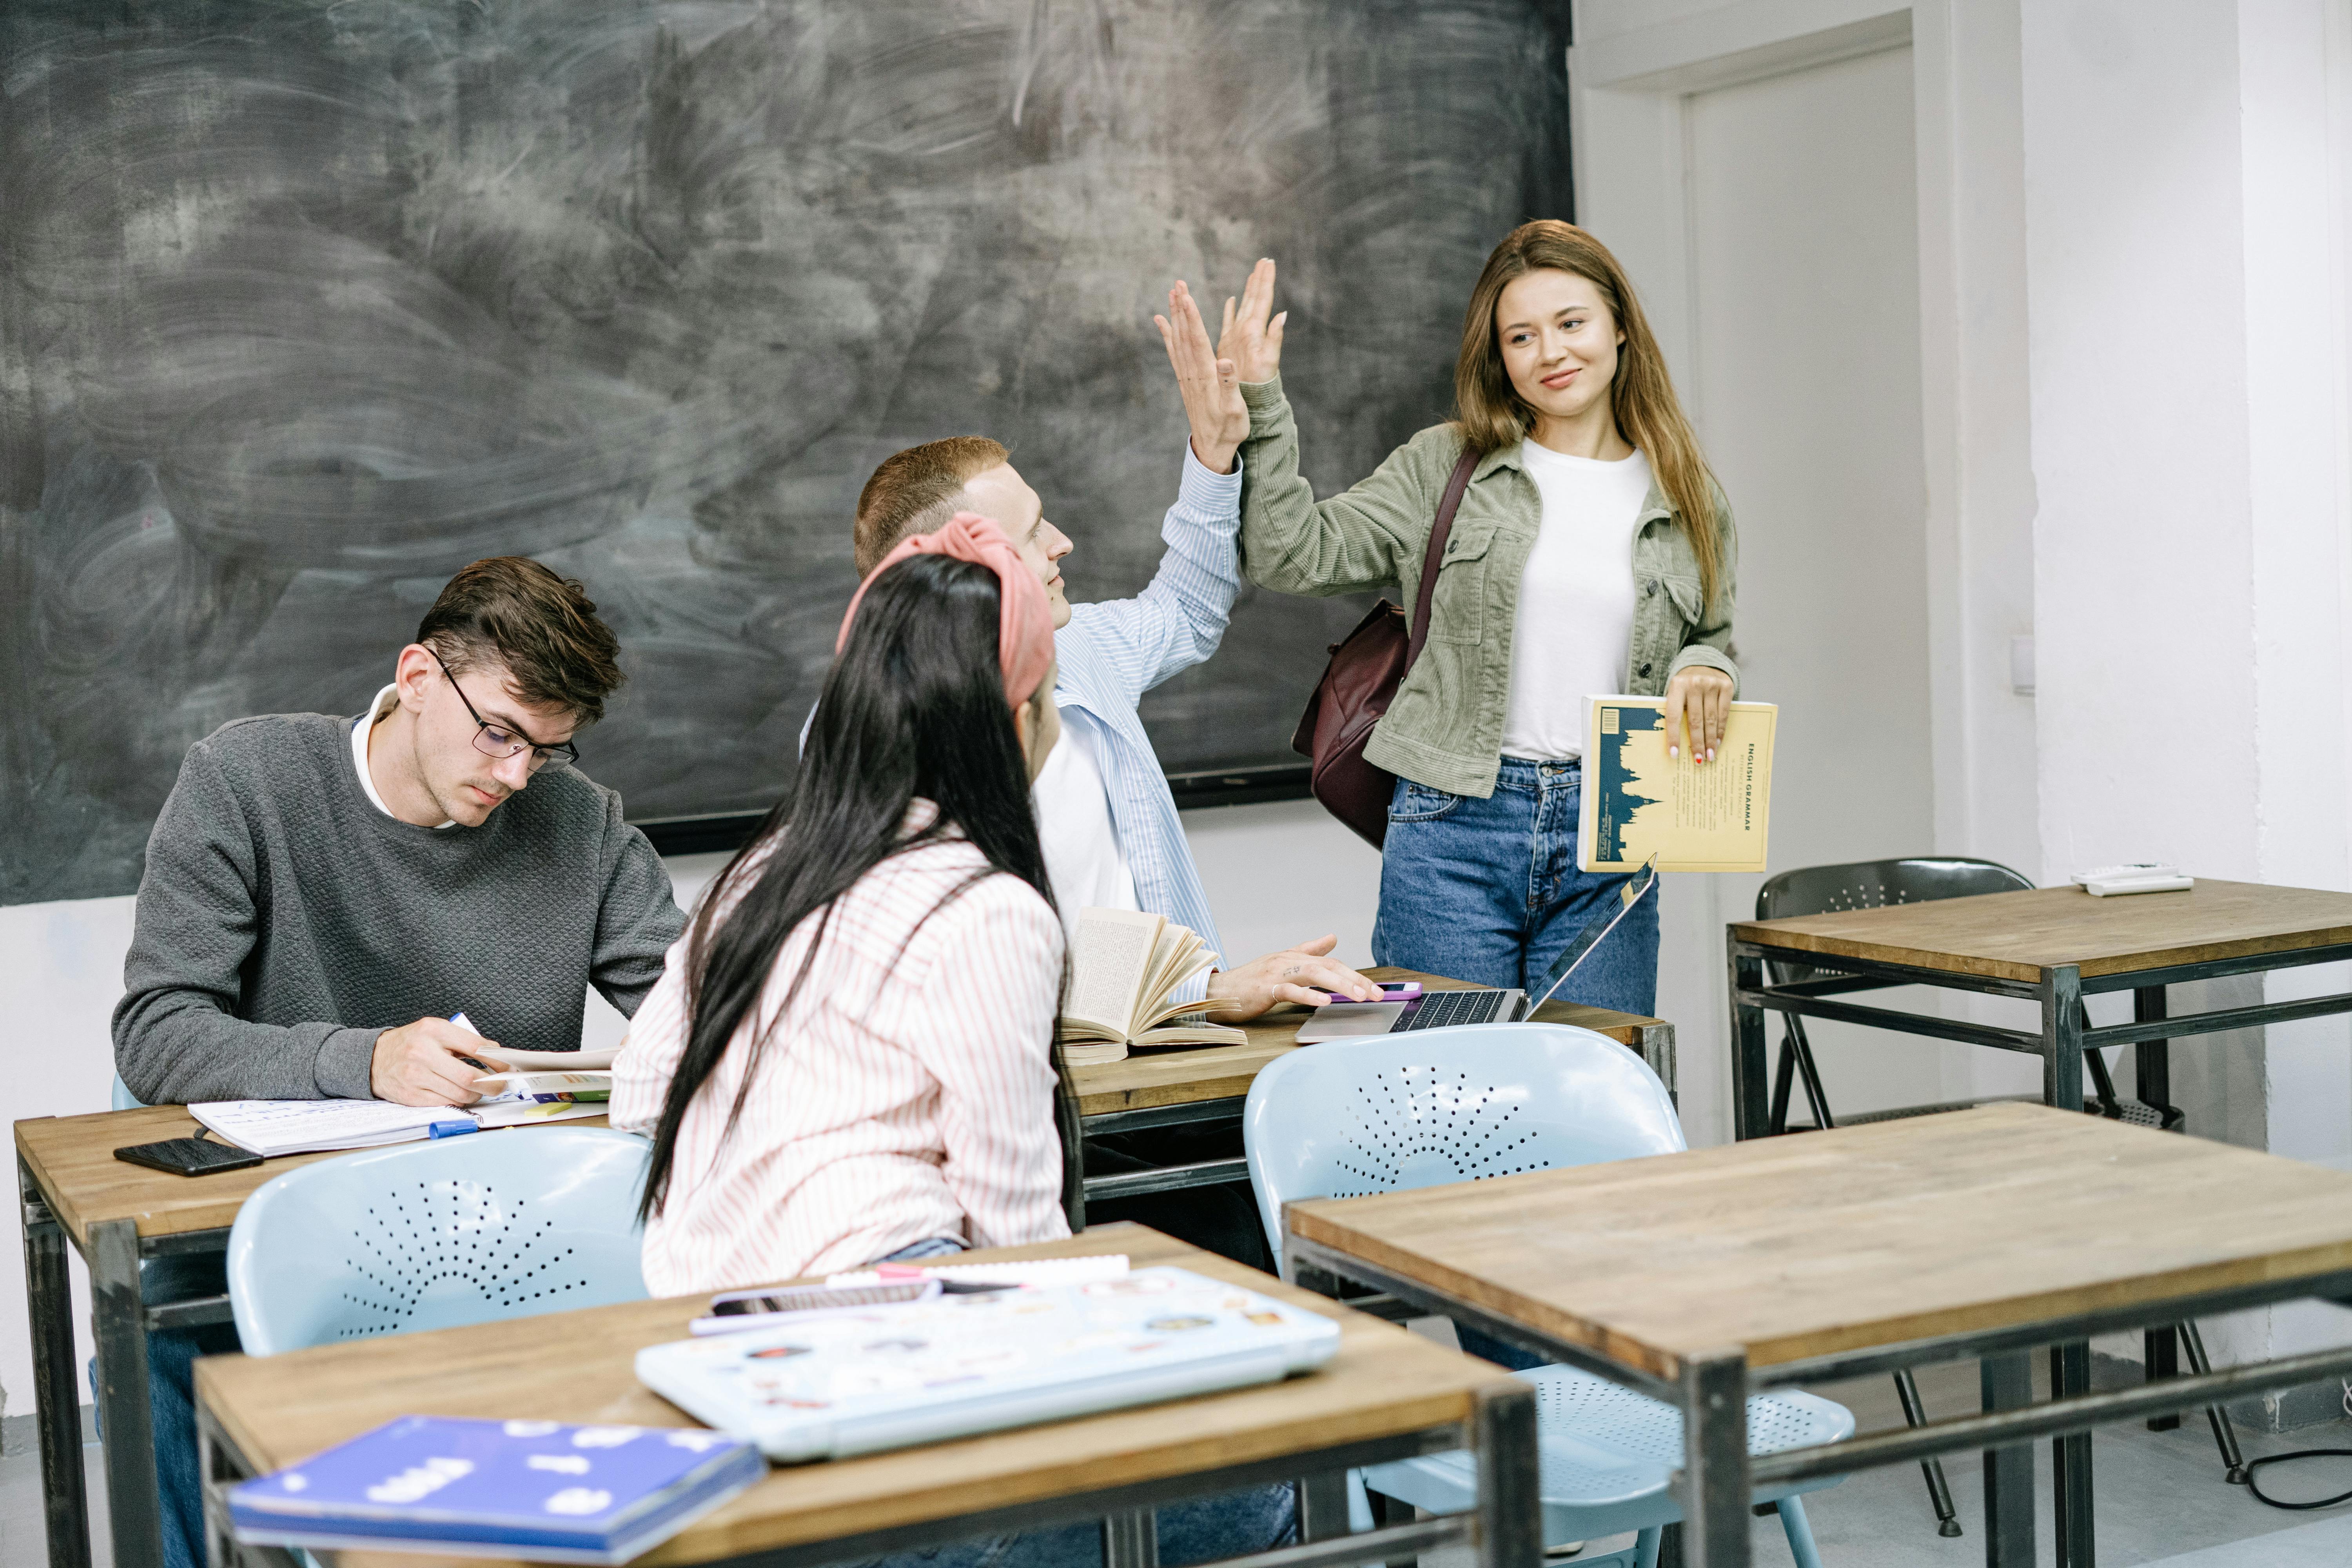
(915, 491)
(511, 610)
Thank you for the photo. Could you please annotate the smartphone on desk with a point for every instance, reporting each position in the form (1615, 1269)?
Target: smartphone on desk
(188, 1156)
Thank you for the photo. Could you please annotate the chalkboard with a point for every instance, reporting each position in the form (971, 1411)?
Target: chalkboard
(302, 306)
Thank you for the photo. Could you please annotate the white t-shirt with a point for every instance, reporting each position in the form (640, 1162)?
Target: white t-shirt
(1576, 600)
(1083, 857)
(361, 728)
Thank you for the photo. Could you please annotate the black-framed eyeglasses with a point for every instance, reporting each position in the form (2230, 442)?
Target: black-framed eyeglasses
(498, 741)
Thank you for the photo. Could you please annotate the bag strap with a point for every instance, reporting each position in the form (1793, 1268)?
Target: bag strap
(1435, 555)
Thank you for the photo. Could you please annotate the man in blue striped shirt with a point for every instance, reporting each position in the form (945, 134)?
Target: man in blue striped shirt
(1106, 820)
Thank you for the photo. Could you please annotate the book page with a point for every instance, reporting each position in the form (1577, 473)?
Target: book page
(1108, 962)
(1636, 803)
(1178, 956)
(292, 1126)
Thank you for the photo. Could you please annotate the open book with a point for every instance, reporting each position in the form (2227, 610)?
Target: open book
(1638, 806)
(1123, 966)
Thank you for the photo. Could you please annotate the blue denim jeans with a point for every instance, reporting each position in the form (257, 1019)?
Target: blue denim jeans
(171, 1396)
(1488, 891)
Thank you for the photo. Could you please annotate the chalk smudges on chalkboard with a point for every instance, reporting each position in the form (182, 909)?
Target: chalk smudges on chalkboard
(302, 309)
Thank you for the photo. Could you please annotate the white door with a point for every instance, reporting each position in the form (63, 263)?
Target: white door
(1803, 374)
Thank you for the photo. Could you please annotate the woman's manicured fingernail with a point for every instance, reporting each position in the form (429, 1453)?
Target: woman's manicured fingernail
(1673, 752)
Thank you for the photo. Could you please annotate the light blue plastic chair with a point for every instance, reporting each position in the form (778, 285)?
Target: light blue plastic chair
(1349, 1118)
(122, 1099)
(437, 1234)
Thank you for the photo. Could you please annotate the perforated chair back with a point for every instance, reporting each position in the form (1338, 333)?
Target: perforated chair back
(1429, 1107)
(437, 1234)
(1873, 884)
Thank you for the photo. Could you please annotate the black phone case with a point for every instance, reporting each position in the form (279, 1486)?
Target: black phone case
(188, 1156)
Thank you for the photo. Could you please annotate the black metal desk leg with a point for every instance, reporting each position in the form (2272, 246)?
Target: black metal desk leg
(119, 1319)
(2062, 1037)
(2152, 1070)
(2070, 1377)
(2008, 1385)
(1131, 1540)
(1751, 1109)
(1713, 1487)
(1323, 1505)
(1510, 1479)
(48, 1305)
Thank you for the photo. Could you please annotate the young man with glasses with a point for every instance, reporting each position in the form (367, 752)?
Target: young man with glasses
(321, 894)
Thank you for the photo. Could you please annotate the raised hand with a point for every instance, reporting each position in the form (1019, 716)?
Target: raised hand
(1210, 386)
(1249, 339)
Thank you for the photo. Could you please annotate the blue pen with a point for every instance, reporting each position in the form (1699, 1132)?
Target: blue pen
(452, 1129)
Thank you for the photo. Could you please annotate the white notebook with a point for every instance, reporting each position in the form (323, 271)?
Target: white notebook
(273, 1127)
(830, 1386)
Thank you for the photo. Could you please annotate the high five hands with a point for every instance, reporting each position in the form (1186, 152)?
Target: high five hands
(1251, 342)
(1249, 348)
(1210, 385)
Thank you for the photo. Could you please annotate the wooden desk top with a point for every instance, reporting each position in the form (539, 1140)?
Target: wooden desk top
(1158, 1077)
(73, 1158)
(1863, 1236)
(576, 1366)
(2016, 936)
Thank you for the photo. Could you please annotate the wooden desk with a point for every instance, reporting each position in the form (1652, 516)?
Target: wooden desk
(1161, 1088)
(1386, 1395)
(114, 1214)
(2050, 946)
(1697, 1277)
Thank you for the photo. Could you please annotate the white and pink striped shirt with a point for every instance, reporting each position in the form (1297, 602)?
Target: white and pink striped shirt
(909, 1092)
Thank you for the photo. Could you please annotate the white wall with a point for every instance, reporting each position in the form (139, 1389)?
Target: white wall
(61, 970)
(1754, 167)
(2186, 263)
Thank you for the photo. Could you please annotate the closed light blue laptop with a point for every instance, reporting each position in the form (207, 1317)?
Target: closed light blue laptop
(827, 1386)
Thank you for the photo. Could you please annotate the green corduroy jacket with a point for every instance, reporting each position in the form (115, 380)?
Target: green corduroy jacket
(1446, 728)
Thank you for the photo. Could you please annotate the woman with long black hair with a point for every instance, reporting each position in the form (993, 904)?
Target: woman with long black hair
(849, 1056)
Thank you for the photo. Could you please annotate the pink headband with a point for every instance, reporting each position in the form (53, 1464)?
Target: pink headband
(1024, 633)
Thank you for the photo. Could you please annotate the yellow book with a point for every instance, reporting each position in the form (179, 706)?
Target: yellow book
(1636, 805)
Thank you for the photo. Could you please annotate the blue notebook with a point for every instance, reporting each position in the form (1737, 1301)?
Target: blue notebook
(535, 1490)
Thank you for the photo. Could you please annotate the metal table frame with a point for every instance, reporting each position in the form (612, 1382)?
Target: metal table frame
(1506, 1528)
(2060, 1043)
(120, 1323)
(1718, 1476)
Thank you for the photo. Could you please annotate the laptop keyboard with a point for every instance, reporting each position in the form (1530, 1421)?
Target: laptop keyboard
(1442, 1009)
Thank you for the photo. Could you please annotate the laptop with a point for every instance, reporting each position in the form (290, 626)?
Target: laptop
(1445, 1009)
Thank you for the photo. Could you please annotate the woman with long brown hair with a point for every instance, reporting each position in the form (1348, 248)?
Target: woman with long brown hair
(1591, 553)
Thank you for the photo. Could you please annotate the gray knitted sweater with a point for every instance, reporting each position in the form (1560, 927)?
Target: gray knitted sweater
(284, 922)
